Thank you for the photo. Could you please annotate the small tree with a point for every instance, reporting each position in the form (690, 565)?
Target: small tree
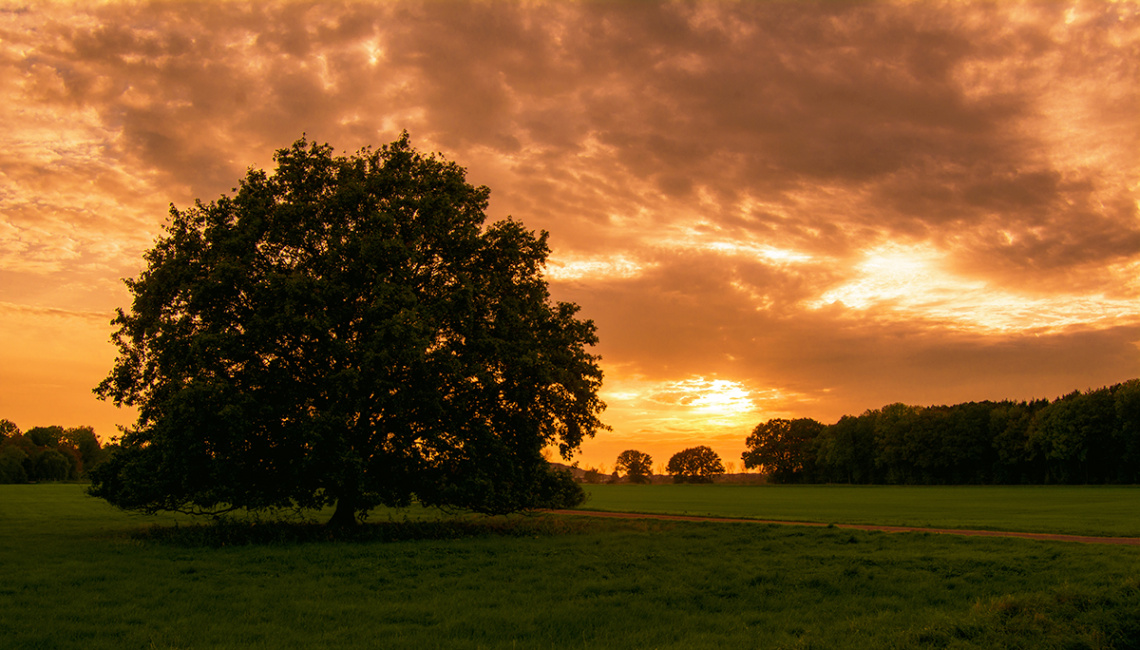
(695, 465)
(637, 466)
(347, 331)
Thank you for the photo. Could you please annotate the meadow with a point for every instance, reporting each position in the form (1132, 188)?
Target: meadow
(75, 573)
(1068, 509)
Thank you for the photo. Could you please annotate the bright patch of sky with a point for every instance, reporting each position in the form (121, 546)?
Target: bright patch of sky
(911, 282)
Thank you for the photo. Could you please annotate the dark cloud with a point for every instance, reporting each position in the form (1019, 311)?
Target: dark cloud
(861, 97)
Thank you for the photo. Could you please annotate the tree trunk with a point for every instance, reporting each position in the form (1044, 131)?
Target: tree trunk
(345, 515)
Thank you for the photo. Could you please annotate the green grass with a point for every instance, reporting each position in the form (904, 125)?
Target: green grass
(1077, 510)
(75, 573)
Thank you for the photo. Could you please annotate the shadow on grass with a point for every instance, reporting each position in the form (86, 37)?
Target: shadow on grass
(229, 532)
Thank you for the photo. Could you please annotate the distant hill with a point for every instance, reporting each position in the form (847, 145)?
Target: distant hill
(576, 472)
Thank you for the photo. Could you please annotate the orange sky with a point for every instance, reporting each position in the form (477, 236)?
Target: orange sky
(769, 209)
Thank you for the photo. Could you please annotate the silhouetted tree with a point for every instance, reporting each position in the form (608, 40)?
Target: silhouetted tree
(784, 449)
(52, 465)
(637, 466)
(44, 436)
(845, 451)
(12, 460)
(695, 465)
(1126, 404)
(965, 451)
(895, 442)
(347, 331)
(40, 454)
(86, 443)
(1074, 437)
(1009, 425)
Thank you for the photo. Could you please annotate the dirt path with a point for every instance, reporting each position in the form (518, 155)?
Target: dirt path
(1126, 541)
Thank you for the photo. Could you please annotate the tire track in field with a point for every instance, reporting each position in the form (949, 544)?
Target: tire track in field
(1052, 537)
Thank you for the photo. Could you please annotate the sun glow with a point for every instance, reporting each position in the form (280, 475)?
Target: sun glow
(688, 404)
(662, 417)
(911, 283)
(714, 396)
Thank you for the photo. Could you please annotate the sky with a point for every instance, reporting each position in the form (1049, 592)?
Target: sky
(769, 209)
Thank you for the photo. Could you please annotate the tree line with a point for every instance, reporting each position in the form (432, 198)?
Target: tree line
(47, 453)
(1083, 438)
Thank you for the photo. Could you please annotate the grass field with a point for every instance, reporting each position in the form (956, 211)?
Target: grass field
(1077, 510)
(75, 573)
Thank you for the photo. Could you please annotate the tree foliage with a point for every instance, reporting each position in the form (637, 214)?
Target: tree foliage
(44, 436)
(1090, 437)
(782, 448)
(695, 465)
(347, 330)
(637, 466)
(8, 429)
(86, 443)
(47, 453)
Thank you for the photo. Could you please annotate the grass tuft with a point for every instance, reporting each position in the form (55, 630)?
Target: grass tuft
(1064, 617)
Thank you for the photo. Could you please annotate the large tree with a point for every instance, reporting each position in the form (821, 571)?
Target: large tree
(347, 330)
(695, 465)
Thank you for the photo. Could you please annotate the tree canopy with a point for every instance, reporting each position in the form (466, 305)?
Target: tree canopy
(49, 453)
(695, 465)
(347, 330)
(637, 466)
(781, 447)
